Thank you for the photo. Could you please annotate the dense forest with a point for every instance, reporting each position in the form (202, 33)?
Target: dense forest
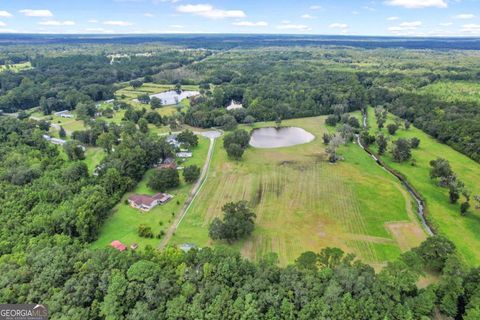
(65, 81)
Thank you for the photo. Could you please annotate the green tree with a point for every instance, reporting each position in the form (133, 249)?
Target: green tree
(188, 137)
(238, 222)
(191, 173)
(144, 98)
(143, 125)
(155, 103)
(62, 133)
(106, 141)
(382, 143)
(144, 231)
(74, 150)
(235, 151)
(401, 150)
(164, 179)
(415, 142)
(392, 128)
(135, 84)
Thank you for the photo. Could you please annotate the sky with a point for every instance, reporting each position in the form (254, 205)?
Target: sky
(327, 17)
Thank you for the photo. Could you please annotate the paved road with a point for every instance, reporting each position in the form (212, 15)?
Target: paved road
(212, 135)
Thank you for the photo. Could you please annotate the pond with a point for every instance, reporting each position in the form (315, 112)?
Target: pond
(173, 97)
(279, 137)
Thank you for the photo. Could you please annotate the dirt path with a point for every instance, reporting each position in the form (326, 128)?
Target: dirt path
(193, 194)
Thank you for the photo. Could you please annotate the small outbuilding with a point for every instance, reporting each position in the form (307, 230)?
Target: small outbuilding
(118, 245)
(184, 154)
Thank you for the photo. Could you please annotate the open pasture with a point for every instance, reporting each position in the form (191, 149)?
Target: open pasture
(446, 218)
(302, 202)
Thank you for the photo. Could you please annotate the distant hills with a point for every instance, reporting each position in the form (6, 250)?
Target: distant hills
(226, 41)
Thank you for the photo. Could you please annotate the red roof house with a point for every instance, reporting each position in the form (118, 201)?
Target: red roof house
(118, 245)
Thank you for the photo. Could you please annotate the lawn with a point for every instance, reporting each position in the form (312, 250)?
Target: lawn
(463, 231)
(124, 220)
(302, 202)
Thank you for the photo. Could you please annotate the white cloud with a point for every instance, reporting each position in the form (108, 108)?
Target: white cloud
(98, 30)
(8, 30)
(250, 24)
(5, 14)
(338, 26)
(57, 23)
(393, 18)
(307, 16)
(176, 26)
(465, 16)
(471, 28)
(315, 7)
(117, 23)
(149, 15)
(417, 4)
(406, 28)
(412, 24)
(298, 27)
(93, 21)
(208, 11)
(36, 13)
(445, 24)
(2, 24)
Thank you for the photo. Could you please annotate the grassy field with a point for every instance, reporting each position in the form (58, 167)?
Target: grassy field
(458, 91)
(16, 67)
(93, 157)
(464, 231)
(124, 221)
(304, 203)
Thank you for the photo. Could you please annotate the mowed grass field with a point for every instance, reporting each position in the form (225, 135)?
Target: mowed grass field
(304, 203)
(128, 94)
(124, 220)
(463, 231)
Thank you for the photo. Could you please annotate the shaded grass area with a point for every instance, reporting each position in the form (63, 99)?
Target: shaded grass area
(463, 231)
(124, 220)
(303, 202)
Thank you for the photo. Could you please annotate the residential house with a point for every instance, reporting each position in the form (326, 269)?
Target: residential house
(168, 163)
(146, 203)
(234, 105)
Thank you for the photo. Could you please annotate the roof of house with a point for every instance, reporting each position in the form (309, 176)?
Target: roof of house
(142, 199)
(118, 245)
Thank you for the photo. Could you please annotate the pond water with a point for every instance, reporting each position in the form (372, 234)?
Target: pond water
(279, 137)
(173, 97)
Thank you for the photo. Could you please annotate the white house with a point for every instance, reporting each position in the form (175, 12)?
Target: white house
(64, 114)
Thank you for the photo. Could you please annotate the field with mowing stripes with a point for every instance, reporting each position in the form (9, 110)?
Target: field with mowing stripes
(304, 203)
(463, 231)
